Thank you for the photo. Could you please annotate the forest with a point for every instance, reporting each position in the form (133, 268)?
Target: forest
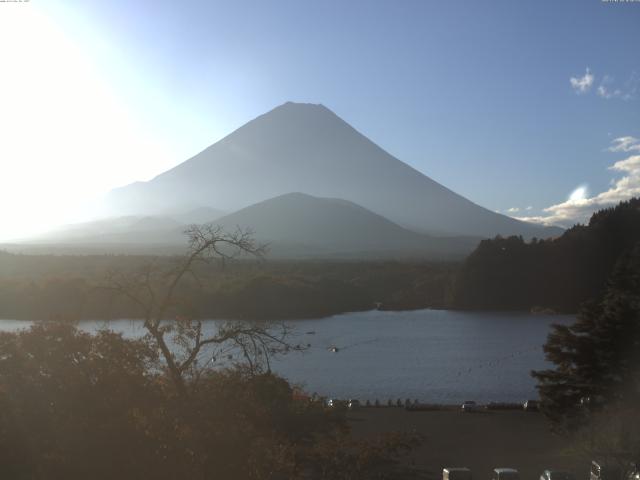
(555, 274)
(73, 287)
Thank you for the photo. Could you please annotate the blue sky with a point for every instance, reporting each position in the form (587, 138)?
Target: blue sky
(475, 94)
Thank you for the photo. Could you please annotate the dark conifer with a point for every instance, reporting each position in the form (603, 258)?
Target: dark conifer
(597, 359)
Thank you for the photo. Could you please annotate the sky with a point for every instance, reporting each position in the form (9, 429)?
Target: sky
(531, 109)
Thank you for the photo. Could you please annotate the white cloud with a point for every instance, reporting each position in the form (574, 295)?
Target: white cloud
(582, 84)
(625, 144)
(608, 87)
(529, 208)
(604, 92)
(579, 207)
(627, 91)
(630, 165)
(632, 87)
(513, 210)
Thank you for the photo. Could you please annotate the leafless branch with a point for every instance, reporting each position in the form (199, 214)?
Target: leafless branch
(154, 289)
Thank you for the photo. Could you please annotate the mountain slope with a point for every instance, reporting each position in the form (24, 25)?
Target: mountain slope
(119, 230)
(297, 224)
(130, 229)
(307, 148)
(198, 215)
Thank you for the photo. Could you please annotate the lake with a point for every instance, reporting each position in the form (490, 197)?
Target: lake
(430, 355)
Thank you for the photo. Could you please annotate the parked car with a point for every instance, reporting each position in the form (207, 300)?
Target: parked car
(601, 470)
(505, 474)
(556, 475)
(531, 405)
(634, 472)
(456, 473)
(470, 406)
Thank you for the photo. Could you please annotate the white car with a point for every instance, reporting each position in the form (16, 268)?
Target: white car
(505, 474)
(456, 473)
(556, 475)
(531, 406)
(470, 406)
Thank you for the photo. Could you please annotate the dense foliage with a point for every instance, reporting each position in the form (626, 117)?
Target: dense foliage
(558, 274)
(597, 359)
(69, 287)
(78, 406)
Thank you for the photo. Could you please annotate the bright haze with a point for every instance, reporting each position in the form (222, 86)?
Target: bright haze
(530, 110)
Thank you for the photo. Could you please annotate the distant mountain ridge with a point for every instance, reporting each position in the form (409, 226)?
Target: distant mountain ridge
(294, 225)
(131, 229)
(297, 224)
(307, 148)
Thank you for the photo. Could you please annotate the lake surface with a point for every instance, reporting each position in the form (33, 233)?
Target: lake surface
(429, 355)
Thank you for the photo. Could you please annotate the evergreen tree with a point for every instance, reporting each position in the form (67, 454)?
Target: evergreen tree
(559, 273)
(598, 357)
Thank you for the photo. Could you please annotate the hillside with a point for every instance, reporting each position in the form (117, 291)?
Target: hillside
(130, 229)
(560, 274)
(297, 224)
(124, 234)
(294, 225)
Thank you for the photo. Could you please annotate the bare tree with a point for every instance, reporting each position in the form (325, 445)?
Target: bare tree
(183, 340)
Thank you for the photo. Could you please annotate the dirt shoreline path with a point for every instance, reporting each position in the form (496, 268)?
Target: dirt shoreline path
(480, 441)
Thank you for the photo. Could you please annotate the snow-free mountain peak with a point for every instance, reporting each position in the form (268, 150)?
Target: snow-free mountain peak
(307, 148)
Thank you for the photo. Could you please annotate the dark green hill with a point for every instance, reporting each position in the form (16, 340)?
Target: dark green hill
(560, 274)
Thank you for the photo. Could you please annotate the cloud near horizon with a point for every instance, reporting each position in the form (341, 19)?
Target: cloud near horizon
(578, 209)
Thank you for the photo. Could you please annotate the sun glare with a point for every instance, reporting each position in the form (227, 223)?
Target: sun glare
(66, 136)
(578, 194)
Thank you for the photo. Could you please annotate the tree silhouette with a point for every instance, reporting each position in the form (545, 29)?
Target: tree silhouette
(181, 339)
(597, 358)
(558, 274)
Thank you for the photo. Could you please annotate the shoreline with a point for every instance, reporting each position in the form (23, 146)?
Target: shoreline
(541, 313)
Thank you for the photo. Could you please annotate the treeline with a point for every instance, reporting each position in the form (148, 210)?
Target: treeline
(78, 287)
(558, 274)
